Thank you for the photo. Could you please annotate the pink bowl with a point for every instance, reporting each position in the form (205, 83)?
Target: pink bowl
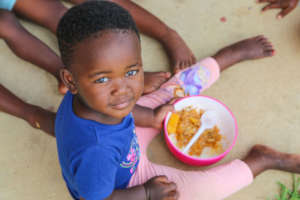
(226, 122)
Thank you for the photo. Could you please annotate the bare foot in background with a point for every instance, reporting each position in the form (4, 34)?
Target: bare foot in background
(261, 158)
(153, 80)
(180, 54)
(248, 49)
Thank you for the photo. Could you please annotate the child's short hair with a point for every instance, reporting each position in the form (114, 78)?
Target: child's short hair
(91, 19)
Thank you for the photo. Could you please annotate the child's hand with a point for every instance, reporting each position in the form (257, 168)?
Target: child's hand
(161, 112)
(286, 6)
(160, 188)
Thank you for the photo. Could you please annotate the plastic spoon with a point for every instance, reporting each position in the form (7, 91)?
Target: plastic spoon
(208, 121)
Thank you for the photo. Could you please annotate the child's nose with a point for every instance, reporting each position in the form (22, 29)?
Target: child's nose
(119, 87)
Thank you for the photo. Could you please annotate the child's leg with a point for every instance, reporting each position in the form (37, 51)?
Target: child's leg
(35, 116)
(28, 47)
(180, 55)
(213, 184)
(204, 73)
(44, 12)
(222, 181)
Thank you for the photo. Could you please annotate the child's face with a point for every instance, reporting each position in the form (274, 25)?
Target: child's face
(107, 74)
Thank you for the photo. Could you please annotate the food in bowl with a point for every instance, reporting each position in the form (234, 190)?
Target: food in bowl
(185, 123)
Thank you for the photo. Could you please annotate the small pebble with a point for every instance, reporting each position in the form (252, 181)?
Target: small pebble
(223, 19)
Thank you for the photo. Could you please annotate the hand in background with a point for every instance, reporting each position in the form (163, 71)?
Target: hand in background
(160, 188)
(286, 6)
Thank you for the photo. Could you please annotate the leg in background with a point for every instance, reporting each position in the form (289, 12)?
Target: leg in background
(248, 49)
(262, 158)
(46, 13)
(37, 117)
(203, 74)
(28, 47)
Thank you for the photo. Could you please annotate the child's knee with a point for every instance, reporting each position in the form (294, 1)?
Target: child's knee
(8, 23)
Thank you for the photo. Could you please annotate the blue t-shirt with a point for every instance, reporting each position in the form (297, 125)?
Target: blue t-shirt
(95, 158)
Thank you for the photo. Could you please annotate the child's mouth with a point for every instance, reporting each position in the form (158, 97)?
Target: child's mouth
(122, 104)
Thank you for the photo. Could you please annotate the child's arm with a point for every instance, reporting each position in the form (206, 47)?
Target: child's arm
(157, 187)
(286, 6)
(148, 117)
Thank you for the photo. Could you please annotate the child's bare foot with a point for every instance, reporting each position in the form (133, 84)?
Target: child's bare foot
(261, 158)
(153, 80)
(180, 55)
(41, 119)
(62, 88)
(252, 48)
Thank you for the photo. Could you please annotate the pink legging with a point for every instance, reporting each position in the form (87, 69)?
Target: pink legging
(212, 184)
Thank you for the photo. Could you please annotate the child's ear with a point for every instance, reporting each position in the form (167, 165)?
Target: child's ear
(67, 78)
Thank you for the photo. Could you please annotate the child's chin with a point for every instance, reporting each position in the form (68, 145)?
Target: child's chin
(122, 114)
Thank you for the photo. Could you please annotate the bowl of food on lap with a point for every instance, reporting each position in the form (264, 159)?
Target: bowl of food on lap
(201, 131)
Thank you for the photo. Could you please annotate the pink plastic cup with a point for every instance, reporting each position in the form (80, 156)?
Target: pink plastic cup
(226, 122)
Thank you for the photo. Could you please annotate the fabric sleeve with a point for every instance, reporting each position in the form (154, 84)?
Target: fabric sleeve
(94, 173)
(7, 4)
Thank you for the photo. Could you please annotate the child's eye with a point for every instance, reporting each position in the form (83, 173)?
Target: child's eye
(132, 73)
(102, 80)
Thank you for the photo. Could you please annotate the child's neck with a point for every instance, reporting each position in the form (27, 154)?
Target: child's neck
(83, 111)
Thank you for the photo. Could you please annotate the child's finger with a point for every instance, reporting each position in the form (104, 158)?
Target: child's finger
(171, 187)
(173, 195)
(284, 12)
(169, 108)
(271, 6)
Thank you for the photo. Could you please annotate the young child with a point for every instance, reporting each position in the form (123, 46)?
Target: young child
(101, 152)
(286, 6)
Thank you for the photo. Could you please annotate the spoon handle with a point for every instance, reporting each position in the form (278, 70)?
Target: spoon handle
(194, 139)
